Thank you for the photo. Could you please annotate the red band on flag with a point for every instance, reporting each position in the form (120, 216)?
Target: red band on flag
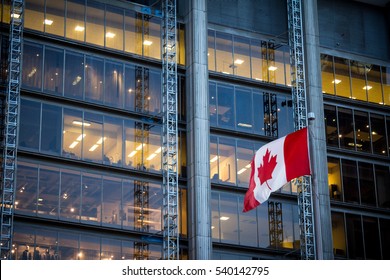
(296, 154)
(250, 201)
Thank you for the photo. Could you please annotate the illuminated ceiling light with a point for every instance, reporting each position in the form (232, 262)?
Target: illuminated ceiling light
(132, 154)
(224, 218)
(258, 79)
(374, 133)
(336, 81)
(76, 80)
(48, 21)
(147, 43)
(79, 28)
(32, 73)
(130, 90)
(367, 87)
(241, 171)
(93, 148)
(248, 166)
(244, 125)
(214, 159)
(110, 35)
(152, 156)
(100, 141)
(212, 227)
(158, 150)
(81, 137)
(81, 123)
(224, 72)
(15, 15)
(140, 147)
(272, 68)
(74, 144)
(238, 61)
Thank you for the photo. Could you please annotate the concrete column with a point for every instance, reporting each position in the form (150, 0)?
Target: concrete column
(198, 132)
(321, 200)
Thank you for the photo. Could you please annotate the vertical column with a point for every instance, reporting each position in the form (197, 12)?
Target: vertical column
(321, 201)
(198, 132)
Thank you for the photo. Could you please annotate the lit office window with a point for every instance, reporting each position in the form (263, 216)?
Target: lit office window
(241, 57)
(214, 170)
(259, 61)
(130, 86)
(224, 53)
(386, 85)
(152, 37)
(34, 14)
(73, 133)
(359, 86)
(338, 234)
(133, 144)
(93, 139)
(94, 79)
(334, 178)
(133, 33)
(53, 76)
(227, 160)
(55, 17)
(342, 78)
(75, 20)
(228, 218)
(328, 84)
(373, 85)
(211, 50)
(225, 106)
(247, 224)
(49, 183)
(32, 66)
(244, 157)
(94, 23)
(276, 70)
(152, 149)
(114, 28)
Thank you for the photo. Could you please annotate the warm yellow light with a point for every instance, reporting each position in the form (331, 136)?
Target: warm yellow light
(158, 150)
(152, 156)
(74, 144)
(79, 28)
(93, 148)
(248, 166)
(81, 123)
(336, 81)
(238, 61)
(272, 68)
(81, 137)
(132, 154)
(224, 218)
(140, 147)
(367, 87)
(147, 43)
(110, 35)
(241, 171)
(48, 22)
(214, 159)
(100, 141)
(15, 15)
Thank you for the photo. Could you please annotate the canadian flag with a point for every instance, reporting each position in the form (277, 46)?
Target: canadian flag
(275, 164)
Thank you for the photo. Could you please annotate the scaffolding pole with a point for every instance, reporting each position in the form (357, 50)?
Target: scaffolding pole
(170, 157)
(12, 101)
(298, 81)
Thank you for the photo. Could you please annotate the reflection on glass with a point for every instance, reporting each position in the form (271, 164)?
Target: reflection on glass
(91, 200)
(152, 94)
(54, 63)
(74, 75)
(346, 130)
(362, 132)
(94, 79)
(338, 234)
(244, 110)
(48, 191)
(95, 23)
(227, 160)
(73, 133)
(225, 106)
(26, 189)
(130, 85)
(332, 135)
(51, 129)
(111, 249)
(284, 120)
(213, 104)
(211, 50)
(111, 204)
(248, 226)
(244, 158)
(258, 109)
(70, 195)
(113, 90)
(89, 248)
(241, 60)
(32, 66)
(228, 218)
(378, 134)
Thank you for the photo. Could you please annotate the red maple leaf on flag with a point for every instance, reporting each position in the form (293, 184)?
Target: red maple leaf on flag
(267, 167)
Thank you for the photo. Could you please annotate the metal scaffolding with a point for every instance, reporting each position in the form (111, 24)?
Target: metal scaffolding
(297, 61)
(275, 223)
(8, 183)
(170, 157)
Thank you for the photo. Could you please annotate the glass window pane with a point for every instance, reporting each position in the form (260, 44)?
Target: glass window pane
(338, 234)
(152, 37)
(276, 69)
(213, 104)
(244, 110)
(112, 193)
(68, 246)
(72, 133)
(152, 92)
(382, 178)
(127, 210)
(259, 64)
(49, 183)
(54, 63)
(133, 33)
(354, 237)
(378, 134)
(241, 60)
(334, 178)
(114, 28)
(89, 247)
(95, 23)
(367, 184)
(181, 43)
(385, 233)
(34, 17)
(374, 87)
(215, 221)
(24, 240)
(350, 182)
(362, 132)
(214, 171)
(244, 158)
(346, 130)
(247, 226)
(211, 50)
(371, 238)
(228, 218)
(227, 160)
(30, 117)
(331, 126)
(70, 195)
(225, 106)
(114, 84)
(46, 245)
(262, 227)
(258, 111)
(94, 79)
(91, 194)
(359, 87)
(342, 79)
(113, 141)
(74, 75)
(51, 129)
(327, 74)
(27, 188)
(111, 249)
(152, 147)
(288, 225)
(224, 53)
(133, 144)
(93, 139)
(386, 85)
(130, 96)
(55, 17)
(75, 13)
(32, 66)
(285, 121)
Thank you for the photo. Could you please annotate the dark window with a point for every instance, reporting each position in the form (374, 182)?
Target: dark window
(225, 106)
(382, 177)
(371, 238)
(114, 84)
(354, 237)
(367, 184)
(27, 188)
(346, 131)
(94, 79)
(385, 233)
(30, 116)
(378, 135)
(338, 234)
(362, 132)
(244, 110)
(32, 66)
(70, 195)
(331, 126)
(54, 63)
(51, 128)
(74, 75)
(350, 181)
